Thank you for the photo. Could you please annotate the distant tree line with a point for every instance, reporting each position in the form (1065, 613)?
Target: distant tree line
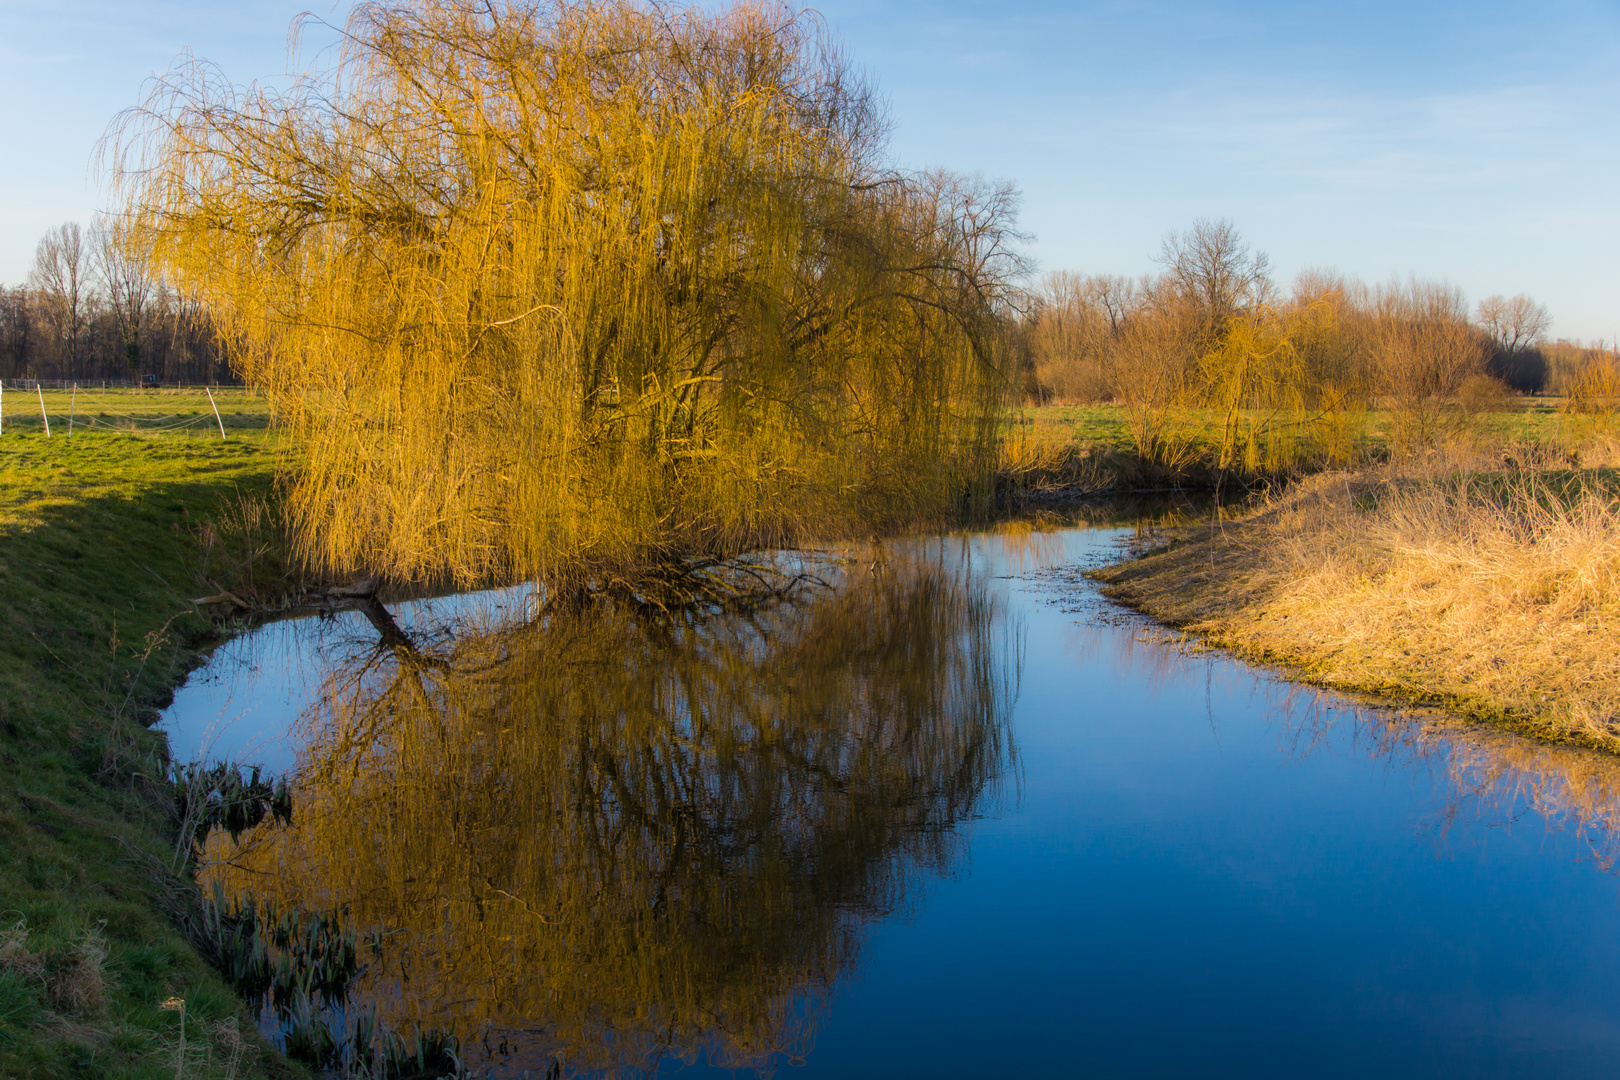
(1577, 370)
(1213, 346)
(93, 308)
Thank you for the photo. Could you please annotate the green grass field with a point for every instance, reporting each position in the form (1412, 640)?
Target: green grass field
(1531, 419)
(100, 547)
(188, 413)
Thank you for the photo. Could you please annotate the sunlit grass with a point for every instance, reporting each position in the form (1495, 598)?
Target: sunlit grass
(1489, 585)
(93, 411)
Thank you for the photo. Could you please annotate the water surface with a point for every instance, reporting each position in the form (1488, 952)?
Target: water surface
(953, 815)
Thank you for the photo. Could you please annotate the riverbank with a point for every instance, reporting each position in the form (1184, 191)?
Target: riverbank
(1490, 587)
(109, 537)
(105, 539)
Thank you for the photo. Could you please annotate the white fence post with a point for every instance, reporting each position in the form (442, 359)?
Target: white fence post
(42, 414)
(217, 420)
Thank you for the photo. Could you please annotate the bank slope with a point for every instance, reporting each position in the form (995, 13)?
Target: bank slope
(102, 539)
(1495, 593)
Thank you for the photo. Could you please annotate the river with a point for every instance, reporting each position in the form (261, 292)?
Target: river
(947, 814)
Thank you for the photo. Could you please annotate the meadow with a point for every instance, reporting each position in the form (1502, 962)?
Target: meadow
(185, 412)
(711, 320)
(1472, 578)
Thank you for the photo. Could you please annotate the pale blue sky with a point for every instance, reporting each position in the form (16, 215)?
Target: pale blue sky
(1476, 142)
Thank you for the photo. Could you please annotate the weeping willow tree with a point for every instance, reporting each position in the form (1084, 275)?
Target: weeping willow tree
(546, 287)
(624, 834)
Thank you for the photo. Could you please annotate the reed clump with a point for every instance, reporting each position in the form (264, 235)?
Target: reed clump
(1492, 586)
(72, 977)
(1034, 461)
(547, 288)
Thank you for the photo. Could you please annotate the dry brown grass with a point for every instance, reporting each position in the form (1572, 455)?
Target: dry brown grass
(1031, 458)
(15, 954)
(1491, 587)
(80, 985)
(75, 982)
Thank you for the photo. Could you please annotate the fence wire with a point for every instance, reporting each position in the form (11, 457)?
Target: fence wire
(143, 411)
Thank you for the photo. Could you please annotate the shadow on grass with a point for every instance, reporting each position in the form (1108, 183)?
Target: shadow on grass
(100, 547)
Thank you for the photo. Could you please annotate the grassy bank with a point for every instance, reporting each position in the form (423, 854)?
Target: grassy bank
(1489, 585)
(103, 538)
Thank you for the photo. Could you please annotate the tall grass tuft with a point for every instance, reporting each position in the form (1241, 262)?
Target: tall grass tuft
(1455, 579)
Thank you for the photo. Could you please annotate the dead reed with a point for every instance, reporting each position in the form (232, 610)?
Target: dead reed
(73, 978)
(1489, 585)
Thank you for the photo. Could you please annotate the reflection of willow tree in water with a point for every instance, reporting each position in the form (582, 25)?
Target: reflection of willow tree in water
(640, 835)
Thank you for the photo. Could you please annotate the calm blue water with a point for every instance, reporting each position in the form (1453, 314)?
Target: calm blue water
(1193, 869)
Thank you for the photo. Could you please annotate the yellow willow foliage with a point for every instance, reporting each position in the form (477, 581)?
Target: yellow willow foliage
(548, 288)
(1271, 406)
(1266, 391)
(1593, 395)
(626, 834)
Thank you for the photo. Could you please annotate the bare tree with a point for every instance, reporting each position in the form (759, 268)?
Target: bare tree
(1424, 352)
(125, 274)
(1116, 296)
(1214, 267)
(977, 220)
(17, 331)
(1516, 326)
(1515, 323)
(1077, 322)
(1067, 340)
(61, 278)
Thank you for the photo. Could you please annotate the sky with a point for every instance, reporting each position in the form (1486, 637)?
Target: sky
(1478, 143)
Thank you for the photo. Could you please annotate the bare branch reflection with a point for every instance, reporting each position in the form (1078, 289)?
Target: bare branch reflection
(618, 834)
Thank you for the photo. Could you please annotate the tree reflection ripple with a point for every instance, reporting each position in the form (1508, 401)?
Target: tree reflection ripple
(618, 835)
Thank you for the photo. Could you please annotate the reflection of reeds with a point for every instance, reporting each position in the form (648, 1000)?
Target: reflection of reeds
(1487, 773)
(1484, 772)
(635, 829)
